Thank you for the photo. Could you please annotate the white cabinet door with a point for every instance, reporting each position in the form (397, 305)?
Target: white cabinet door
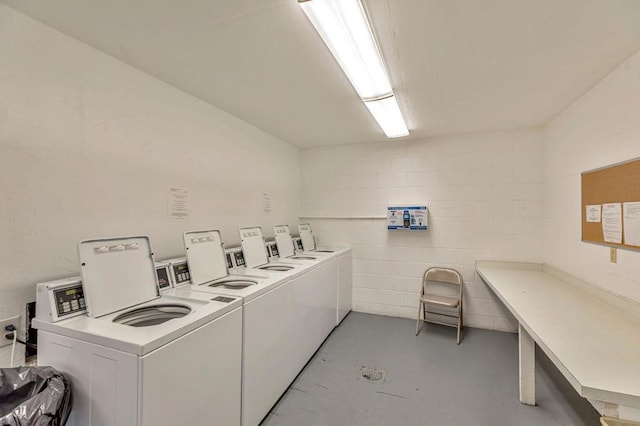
(196, 379)
(266, 356)
(104, 381)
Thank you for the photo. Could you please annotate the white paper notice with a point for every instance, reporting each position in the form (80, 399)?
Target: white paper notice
(594, 212)
(178, 204)
(267, 202)
(612, 222)
(631, 213)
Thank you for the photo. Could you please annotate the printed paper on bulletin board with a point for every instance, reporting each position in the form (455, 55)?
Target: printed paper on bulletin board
(615, 184)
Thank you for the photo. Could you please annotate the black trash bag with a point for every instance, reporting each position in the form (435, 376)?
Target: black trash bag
(34, 396)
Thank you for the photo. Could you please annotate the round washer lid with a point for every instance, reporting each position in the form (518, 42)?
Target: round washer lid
(117, 273)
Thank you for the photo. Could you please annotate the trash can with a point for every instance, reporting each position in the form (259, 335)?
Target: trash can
(34, 396)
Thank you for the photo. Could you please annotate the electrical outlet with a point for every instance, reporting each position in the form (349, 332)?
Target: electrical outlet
(5, 322)
(613, 255)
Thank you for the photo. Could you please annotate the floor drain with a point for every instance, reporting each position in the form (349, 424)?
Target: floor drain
(372, 374)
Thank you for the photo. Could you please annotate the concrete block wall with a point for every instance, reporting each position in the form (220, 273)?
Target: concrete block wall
(484, 195)
(600, 128)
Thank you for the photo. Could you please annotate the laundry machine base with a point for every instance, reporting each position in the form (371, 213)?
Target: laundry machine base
(194, 377)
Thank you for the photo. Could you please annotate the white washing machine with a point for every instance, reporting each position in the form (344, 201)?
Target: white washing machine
(308, 242)
(313, 299)
(287, 249)
(257, 259)
(209, 268)
(345, 269)
(135, 357)
(267, 316)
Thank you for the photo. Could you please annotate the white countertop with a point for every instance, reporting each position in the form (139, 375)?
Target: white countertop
(594, 344)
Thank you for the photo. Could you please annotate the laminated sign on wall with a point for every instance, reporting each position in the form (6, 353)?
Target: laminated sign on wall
(407, 217)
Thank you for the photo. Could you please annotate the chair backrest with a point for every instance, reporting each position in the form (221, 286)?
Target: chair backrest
(446, 276)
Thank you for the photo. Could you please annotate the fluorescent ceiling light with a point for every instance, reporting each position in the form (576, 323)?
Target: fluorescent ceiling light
(345, 29)
(388, 115)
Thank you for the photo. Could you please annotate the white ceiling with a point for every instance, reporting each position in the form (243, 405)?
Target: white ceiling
(457, 66)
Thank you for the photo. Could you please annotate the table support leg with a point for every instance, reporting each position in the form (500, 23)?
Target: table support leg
(527, 349)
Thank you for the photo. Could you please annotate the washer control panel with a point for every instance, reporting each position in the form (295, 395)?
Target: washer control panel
(235, 258)
(61, 299)
(239, 259)
(272, 249)
(69, 300)
(180, 273)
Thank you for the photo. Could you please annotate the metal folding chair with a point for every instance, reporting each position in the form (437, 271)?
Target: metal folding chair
(442, 289)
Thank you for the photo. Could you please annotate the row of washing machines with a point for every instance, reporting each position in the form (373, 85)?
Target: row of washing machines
(214, 338)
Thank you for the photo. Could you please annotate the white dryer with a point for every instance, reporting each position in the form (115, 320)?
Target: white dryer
(136, 357)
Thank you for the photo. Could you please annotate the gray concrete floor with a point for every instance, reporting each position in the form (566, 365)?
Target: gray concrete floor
(429, 380)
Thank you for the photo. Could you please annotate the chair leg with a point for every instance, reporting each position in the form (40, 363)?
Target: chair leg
(418, 321)
(459, 323)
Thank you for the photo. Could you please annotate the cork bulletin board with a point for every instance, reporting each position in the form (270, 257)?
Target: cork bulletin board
(611, 205)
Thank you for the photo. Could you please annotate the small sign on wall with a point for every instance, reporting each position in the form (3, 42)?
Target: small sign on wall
(178, 204)
(413, 218)
(267, 202)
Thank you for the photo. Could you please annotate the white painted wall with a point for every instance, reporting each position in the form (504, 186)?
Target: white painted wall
(600, 128)
(90, 147)
(484, 194)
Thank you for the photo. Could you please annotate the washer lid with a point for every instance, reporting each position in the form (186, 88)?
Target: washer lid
(306, 236)
(205, 255)
(284, 240)
(253, 247)
(117, 273)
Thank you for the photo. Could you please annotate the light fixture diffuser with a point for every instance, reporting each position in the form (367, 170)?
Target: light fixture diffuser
(387, 113)
(345, 29)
